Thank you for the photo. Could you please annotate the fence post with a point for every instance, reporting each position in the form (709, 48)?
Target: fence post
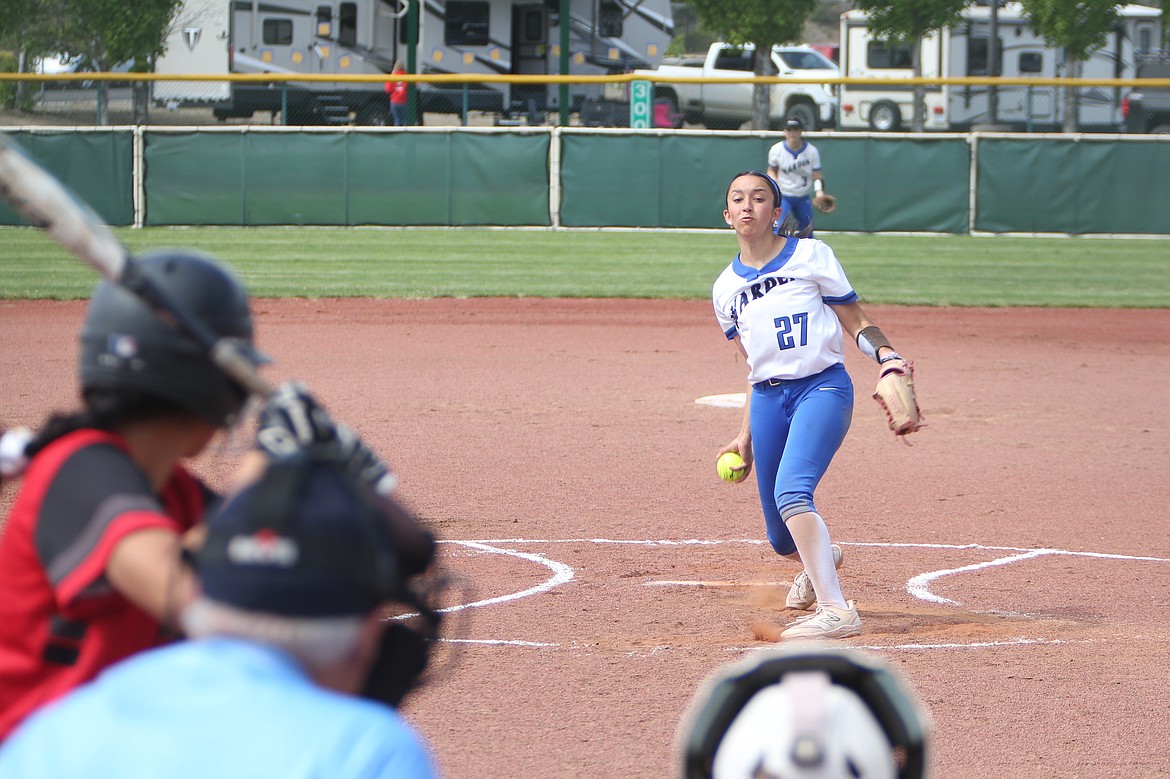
(563, 92)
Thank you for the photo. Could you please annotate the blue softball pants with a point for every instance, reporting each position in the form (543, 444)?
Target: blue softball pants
(801, 208)
(797, 426)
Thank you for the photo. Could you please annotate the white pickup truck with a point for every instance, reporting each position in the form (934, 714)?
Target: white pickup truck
(728, 106)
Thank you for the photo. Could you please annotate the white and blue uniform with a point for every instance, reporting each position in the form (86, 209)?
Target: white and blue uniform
(794, 175)
(802, 397)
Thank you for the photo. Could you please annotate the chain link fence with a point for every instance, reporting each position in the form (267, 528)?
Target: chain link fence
(76, 100)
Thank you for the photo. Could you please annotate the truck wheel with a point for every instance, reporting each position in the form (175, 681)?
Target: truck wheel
(885, 117)
(373, 115)
(722, 123)
(302, 113)
(806, 113)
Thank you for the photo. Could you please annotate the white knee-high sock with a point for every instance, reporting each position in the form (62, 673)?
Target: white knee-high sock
(812, 541)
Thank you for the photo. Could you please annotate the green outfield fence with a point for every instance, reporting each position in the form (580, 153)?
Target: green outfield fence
(567, 177)
(190, 161)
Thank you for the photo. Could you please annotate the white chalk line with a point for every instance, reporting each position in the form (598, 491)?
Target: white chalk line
(701, 583)
(916, 586)
(978, 644)
(561, 573)
(916, 646)
(499, 642)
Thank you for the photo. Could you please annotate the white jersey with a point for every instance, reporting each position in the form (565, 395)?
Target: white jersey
(795, 168)
(782, 313)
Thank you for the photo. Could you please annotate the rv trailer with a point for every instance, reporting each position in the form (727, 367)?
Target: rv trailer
(963, 50)
(217, 37)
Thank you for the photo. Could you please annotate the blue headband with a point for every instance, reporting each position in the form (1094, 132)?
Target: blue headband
(771, 182)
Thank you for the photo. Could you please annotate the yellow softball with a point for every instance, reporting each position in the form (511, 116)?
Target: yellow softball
(725, 465)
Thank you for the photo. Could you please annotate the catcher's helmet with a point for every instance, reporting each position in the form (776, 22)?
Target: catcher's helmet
(125, 345)
(308, 540)
(814, 712)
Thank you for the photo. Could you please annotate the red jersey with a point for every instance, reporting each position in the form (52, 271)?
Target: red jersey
(60, 620)
(397, 91)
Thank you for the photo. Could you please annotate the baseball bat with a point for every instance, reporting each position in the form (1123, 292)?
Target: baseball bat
(42, 200)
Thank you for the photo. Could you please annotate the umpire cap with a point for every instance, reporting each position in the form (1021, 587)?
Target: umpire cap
(309, 540)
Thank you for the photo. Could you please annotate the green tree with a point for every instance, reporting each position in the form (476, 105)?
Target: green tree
(908, 22)
(108, 32)
(14, 18)
(98, 34)
(765, 23)
(1077, 28)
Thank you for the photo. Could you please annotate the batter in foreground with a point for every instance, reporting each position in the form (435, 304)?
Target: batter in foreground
(787, 305)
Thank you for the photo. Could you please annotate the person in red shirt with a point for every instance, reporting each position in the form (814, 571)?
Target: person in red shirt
(397, 92)
(90, 553)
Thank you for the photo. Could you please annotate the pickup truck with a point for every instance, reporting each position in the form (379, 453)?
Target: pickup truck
(728, 106)
(1147, 109)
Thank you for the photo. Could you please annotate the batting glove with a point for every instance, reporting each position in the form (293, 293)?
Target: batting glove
(292, 420)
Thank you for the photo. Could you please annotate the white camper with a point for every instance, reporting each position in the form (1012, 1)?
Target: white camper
(216, 37)
(963, 50)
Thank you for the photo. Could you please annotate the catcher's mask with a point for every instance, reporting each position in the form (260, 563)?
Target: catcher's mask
(813, 712)
(308, 540)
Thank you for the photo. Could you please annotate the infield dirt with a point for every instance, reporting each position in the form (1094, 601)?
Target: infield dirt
(1013, 562)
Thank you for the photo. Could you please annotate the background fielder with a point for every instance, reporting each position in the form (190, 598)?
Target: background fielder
(795, 165)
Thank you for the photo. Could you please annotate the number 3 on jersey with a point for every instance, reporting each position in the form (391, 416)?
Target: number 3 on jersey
(785, 328)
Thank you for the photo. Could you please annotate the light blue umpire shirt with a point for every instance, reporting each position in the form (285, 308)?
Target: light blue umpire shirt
(215, 707)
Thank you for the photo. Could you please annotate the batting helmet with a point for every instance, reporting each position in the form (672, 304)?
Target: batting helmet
(805, 713)
(125, 345)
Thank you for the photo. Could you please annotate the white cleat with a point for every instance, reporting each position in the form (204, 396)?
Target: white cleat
(801, 595)
(826, 622)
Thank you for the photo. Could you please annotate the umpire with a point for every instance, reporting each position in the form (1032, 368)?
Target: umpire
(291, 665)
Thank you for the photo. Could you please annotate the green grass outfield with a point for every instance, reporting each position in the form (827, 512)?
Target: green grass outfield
(416, 263)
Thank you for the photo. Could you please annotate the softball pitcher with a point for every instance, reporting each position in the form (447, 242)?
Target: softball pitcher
(787, 305)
